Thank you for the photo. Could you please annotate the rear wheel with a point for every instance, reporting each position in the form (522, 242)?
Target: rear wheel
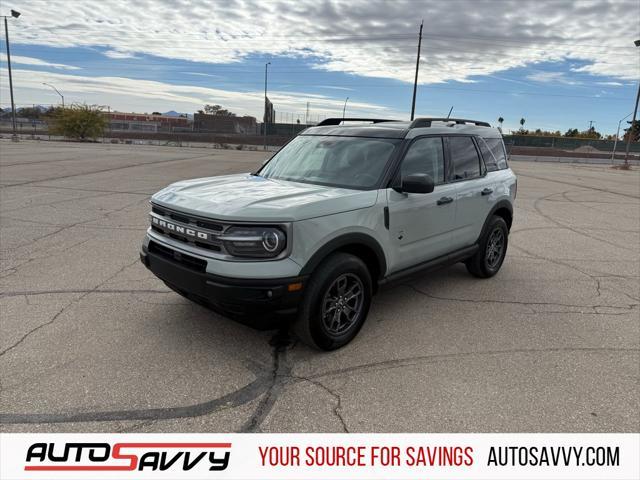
(335, 304)
(492, 249)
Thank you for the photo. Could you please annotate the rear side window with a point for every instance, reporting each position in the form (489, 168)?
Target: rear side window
(495, 158)
(466, 163)
(425, 155)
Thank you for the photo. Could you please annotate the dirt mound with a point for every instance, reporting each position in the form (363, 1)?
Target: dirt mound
(586, 149)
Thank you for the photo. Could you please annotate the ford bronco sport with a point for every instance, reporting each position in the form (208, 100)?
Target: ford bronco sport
(335, 213)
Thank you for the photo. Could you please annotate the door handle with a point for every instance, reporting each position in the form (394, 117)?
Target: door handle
(487, 191)
(444, 200)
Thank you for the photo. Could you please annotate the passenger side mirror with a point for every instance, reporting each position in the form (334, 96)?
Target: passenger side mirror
(417, 183)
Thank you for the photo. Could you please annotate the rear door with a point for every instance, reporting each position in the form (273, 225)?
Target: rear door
(420, 225)
(474, 190)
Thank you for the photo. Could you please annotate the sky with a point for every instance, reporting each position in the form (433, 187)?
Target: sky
(558, 64)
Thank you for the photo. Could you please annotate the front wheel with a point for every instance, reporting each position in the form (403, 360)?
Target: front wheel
(335, 304)
(491, 251)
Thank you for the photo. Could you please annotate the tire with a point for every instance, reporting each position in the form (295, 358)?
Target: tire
(487, 262)
(334, 278)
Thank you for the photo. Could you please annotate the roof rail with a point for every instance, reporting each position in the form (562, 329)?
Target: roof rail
(426, 122)
(338, 121)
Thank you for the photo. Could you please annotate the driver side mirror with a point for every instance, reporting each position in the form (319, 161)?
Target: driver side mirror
(417, 183)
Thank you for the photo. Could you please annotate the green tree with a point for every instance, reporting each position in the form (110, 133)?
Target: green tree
(29, 112)
(217, 110)
(635, 132)
(591, 133)
(522, 131)
(80, 121)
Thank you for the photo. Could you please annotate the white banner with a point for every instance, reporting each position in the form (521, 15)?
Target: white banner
(319, 456)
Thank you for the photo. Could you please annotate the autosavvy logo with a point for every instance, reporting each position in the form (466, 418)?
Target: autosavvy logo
(127, 457)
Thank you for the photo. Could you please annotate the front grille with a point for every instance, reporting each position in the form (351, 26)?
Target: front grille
(211, 227)
(192, 263)
(181, 217)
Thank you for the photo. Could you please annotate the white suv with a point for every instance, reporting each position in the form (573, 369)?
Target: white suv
(337, 212)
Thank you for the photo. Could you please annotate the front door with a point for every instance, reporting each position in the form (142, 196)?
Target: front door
(420, 224)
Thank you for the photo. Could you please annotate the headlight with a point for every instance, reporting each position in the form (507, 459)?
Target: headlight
(256, 242)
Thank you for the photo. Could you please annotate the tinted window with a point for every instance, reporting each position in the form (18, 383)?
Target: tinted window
(351, 162)
(497, 150)
(464, 155)
(425, 155)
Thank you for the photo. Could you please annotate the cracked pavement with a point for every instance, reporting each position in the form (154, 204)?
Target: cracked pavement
(91, 341)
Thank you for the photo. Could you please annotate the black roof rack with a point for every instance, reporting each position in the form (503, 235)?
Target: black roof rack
(426, 122)
(338, 121)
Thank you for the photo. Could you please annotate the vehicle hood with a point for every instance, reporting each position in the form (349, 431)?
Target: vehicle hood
(246, 197)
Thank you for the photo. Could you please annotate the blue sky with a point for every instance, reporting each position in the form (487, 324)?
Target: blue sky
(551, 81)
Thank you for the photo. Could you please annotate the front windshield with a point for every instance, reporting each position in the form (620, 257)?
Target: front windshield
(349, 162)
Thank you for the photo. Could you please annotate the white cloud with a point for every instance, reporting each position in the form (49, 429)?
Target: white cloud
(463, 38)
(19, 60)
(200, 74)
(610, 84)
(552, 77)
(333, 87)
(127, 94)
(118, 54)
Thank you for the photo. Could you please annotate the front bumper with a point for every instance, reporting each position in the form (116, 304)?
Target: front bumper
(233, 297)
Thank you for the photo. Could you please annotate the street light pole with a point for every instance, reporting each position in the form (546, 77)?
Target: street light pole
(57, 91)
(633, 120)
(14, 14)
(264, 125)
(615, 143)
(344, 108)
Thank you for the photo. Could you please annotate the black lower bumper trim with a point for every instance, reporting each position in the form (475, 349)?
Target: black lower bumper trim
(233, 297)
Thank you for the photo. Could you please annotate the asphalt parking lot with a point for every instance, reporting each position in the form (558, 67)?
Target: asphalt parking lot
(91, 341)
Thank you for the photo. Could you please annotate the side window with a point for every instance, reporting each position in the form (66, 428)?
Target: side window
(466, 163)
(425, 155)
(497, 149)
(489, 158)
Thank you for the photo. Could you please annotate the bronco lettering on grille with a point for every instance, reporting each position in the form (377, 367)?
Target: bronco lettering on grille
(174, 227)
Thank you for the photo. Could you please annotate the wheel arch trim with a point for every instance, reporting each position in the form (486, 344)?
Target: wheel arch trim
(502, 204)
(347, 239)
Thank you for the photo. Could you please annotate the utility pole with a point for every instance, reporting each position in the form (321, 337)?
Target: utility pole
(266, 66)
(633, 119)
(306, 115)
(415, 82)
(590, 125)
(14, 14)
